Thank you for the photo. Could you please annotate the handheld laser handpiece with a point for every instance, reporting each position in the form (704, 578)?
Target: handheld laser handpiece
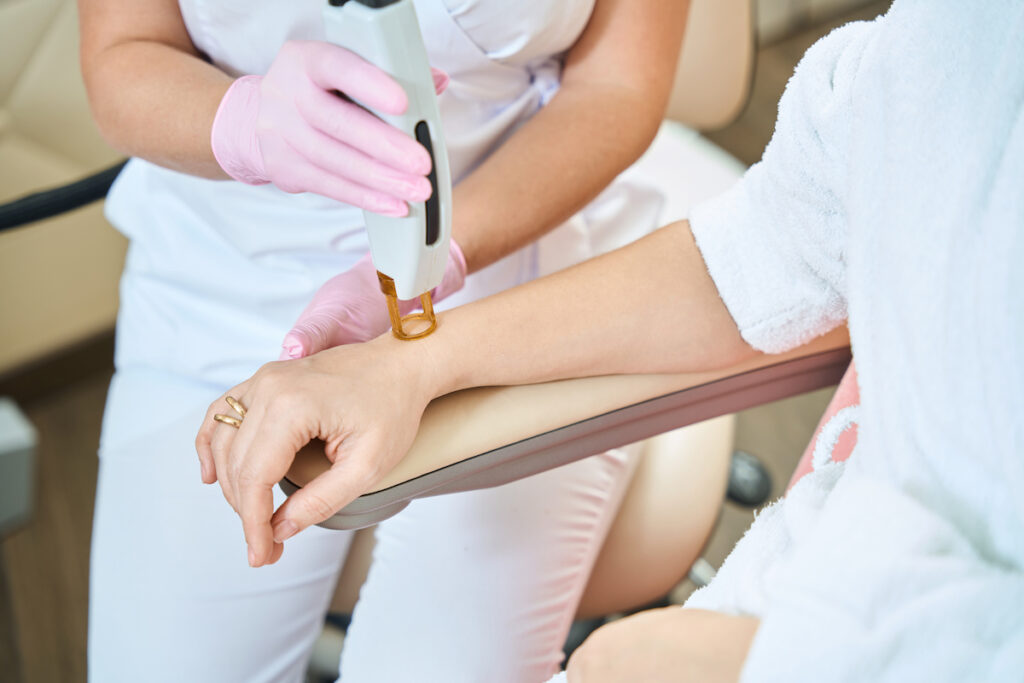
(410, 253)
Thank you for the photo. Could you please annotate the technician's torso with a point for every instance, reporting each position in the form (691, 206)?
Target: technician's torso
(218, 270)
(503, 60)
(503, 65)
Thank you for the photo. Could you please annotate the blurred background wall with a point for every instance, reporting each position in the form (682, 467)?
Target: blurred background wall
(779, 18)
(58, 278)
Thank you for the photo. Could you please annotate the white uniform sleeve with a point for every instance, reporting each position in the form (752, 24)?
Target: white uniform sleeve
(774, 244)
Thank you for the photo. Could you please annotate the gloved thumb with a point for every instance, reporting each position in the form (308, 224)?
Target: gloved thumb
(299, 343)
(441, 80)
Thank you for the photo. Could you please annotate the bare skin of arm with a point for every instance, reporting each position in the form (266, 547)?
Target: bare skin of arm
(152, 94)
(155, 97)
(615, 87)
(668, 644)
(648, 307)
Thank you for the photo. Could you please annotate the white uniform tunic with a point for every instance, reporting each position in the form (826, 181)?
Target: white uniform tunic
(479, 586)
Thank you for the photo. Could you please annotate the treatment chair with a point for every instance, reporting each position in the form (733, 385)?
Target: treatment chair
(503, 433)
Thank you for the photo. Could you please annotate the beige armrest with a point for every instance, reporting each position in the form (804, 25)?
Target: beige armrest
(493, 435)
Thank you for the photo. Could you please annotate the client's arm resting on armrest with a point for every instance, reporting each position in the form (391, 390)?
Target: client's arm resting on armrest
(488, 436)
(649, 307)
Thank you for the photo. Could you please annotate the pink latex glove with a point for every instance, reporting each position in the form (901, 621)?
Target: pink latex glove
(291, 129)
(350, 307)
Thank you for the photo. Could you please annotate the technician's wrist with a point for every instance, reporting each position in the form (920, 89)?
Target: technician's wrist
(233, 134)
(454, 273)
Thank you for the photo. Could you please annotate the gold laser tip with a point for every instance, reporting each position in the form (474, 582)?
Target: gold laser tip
(398, 323)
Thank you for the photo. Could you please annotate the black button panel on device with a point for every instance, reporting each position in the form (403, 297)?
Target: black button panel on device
(432, 207)
(376, 4)
(369, 3)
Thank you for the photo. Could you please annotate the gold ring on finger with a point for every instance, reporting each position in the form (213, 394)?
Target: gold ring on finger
(236, 405)
(228, 420)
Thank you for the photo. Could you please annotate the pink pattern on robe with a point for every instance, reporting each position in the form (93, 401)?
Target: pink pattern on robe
(847, 395)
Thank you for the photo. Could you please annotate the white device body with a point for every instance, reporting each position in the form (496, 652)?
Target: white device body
(413, 251)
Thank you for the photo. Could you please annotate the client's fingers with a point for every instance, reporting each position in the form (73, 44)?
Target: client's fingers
(260, 456)
(255, 507)
(323, 496)
(209, 427)
(220, 446)
(204, 441)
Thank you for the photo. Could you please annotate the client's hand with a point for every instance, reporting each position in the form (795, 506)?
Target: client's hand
(358, 399)
(668, 644)
(350, 308)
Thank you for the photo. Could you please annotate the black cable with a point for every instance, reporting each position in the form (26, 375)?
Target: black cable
(48, 203)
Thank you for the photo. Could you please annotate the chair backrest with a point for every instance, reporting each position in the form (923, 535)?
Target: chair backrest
(716, 65)
(59, 276)
(42, 98)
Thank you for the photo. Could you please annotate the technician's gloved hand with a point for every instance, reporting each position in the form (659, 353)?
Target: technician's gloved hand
(291, 129)
(350, 307)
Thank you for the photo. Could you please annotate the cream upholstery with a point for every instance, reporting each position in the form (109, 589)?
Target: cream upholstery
(58, 279)
(716, 66)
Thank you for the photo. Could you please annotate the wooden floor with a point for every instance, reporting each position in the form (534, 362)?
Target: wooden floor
(44, 566)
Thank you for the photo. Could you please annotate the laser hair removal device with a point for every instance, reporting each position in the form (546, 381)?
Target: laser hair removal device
(410, 253)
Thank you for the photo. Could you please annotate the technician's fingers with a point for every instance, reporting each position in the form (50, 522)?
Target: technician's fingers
(296, 344)
(353, 125)
(312, 179)
(441, 80)
(305, 339)
(335, 68)
(343, 161)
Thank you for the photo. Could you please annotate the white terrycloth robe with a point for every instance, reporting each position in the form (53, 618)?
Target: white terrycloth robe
(892, 193)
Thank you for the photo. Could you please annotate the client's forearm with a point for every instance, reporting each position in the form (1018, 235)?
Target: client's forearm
(648, 307)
